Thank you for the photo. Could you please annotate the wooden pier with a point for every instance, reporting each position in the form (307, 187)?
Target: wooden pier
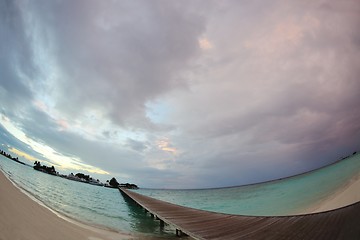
(342, 223)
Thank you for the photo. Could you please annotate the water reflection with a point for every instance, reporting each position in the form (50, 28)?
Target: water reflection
(143, 222)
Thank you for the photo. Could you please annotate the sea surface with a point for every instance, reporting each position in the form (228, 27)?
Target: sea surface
(106, 207)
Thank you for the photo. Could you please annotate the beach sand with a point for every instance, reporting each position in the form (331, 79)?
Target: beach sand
(347, 195)
(24, 219)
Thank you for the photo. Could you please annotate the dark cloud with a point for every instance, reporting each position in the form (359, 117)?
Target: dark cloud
(181, 94)
(115, 57)
(16, 66)
(137, 146)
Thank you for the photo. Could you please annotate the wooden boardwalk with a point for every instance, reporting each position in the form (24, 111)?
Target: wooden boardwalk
(342, 223)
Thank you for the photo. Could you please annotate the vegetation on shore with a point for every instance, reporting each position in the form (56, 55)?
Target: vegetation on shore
(113, 183)
(80, 177)
(10, 157)
(49, 170)
(128, 186)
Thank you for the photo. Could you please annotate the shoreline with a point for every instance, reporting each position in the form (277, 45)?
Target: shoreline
(25, 217)
(345, 195)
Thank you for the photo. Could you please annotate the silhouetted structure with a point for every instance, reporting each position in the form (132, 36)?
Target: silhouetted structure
(113, 183)
(128, 186)
(42, 168)
(10, 157)
(83, 176)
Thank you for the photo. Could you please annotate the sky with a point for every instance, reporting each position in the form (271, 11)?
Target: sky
(180, 94)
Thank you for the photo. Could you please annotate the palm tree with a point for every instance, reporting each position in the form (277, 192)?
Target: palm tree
(113, 182)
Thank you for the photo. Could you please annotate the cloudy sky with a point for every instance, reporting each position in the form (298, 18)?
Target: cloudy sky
(180, 94)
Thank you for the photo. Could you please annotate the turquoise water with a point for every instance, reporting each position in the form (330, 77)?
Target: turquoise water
(99, 206)
(106, 207)
(282, 197)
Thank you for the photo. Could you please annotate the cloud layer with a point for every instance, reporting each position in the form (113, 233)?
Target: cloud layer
(182, 95)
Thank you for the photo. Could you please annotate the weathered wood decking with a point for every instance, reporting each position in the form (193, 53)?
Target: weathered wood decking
(343, 223)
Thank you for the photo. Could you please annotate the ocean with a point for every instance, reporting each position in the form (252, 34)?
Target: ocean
(107, 208)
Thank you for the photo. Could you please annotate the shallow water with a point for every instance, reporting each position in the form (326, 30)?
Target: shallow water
(87, 203)
(282, 197)
(106, 207)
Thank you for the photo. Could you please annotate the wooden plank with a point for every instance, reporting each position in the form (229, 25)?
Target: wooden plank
(341, 223)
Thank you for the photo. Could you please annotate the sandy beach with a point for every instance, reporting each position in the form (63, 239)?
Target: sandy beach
(24, 219)
(347, 195)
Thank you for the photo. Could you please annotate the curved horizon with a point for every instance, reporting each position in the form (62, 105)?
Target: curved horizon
(268, 181)
(169, 95)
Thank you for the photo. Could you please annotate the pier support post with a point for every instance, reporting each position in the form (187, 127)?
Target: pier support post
(178, 233)
(162, 224)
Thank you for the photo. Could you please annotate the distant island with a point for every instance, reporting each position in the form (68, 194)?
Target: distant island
(113, 183)
(42, 168)
(79, 177)
(128, 186)
(10, 157)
